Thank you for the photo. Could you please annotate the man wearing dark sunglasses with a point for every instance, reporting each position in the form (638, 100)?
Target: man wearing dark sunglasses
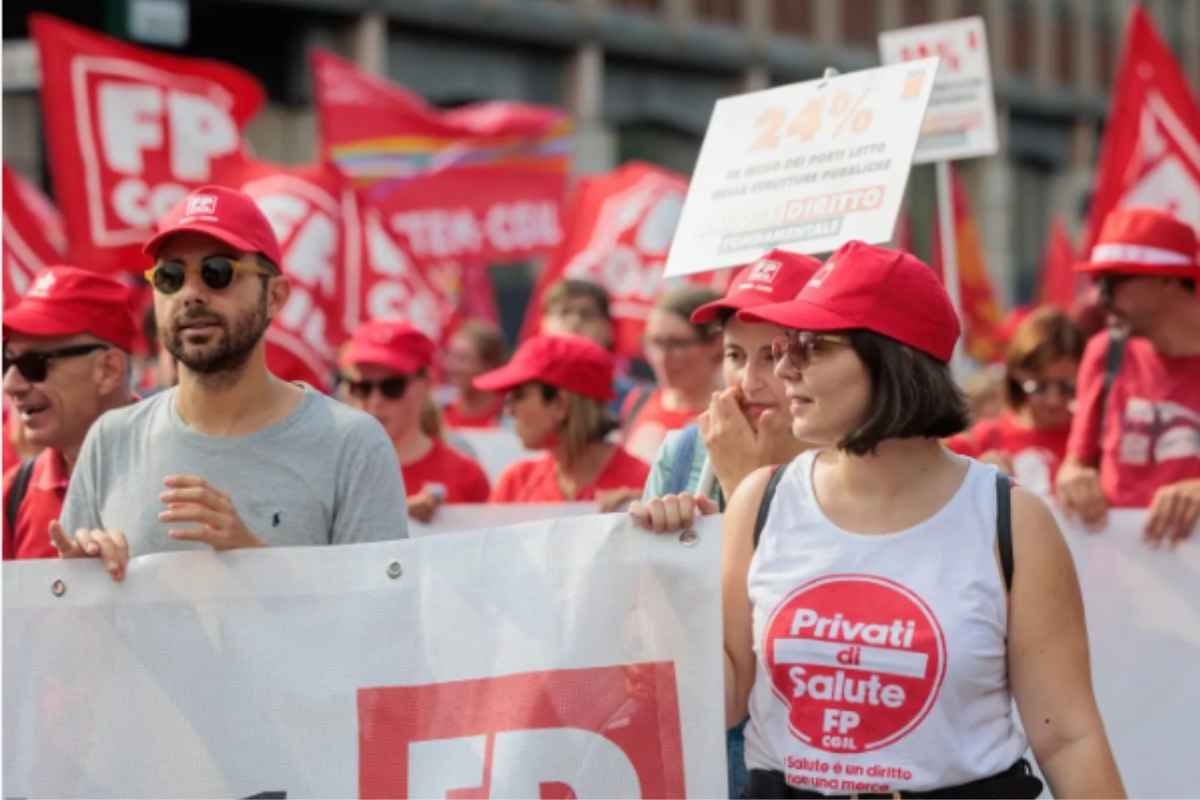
(1135, 438)
(232, 456)
(66, 362)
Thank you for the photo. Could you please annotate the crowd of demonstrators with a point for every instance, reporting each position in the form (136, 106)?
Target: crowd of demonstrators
(386, 373)
(685, 358)
(67, 347)
(1028, 439)
(869, 385)
(1135, 439)
(475, 348)
(558, 388)
(227, 454)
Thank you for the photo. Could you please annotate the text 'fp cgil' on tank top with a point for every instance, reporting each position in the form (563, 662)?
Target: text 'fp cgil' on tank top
(881, 659)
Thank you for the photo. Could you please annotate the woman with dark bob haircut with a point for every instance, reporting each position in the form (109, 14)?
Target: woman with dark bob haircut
(875, 629)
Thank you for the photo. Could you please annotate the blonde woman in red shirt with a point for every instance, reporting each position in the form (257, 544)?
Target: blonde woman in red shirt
(558, 390)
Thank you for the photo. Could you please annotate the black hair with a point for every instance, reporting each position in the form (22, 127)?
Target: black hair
(912, 395)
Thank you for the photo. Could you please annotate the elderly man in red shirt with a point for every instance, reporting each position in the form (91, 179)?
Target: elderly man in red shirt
(66, 362)
(1135, 438)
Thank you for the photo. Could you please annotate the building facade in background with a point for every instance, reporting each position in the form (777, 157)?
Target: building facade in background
(641, 77)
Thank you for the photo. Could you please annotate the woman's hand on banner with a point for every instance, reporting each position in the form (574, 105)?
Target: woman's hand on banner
(189, 498)
(108, 545)
(670, 513)
(1174, 512)
(1080, 495)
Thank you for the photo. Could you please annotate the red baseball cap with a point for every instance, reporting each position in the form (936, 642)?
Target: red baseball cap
(867, 287)
(774, 278)
(392, 344)
(1144, 241)
(224, 214)
(569, 362)
(65, 301)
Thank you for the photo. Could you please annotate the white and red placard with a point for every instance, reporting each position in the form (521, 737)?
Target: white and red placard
(570, 658)
(805, 167)
(130, 131)
(961, 119)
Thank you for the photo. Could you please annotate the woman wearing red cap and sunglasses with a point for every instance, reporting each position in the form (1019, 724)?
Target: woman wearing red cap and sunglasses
(874, 626)
(558, 390)
(385, 372)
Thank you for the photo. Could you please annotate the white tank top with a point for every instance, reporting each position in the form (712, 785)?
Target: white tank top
(880, 659)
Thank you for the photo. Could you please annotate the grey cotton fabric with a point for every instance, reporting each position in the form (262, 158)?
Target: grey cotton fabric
(326, 474)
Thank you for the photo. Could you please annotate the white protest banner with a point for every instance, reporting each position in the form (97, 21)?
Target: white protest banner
(961, 119)
(805, 167)
(1143, 616)
(576, 658)
(465, 517)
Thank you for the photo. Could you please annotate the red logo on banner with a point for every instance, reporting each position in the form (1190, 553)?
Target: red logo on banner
(857, 659)
(130, 132)
(605, 731)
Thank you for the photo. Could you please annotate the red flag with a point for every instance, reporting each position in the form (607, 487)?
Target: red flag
(981, 316)
(304, 205)
(620, 226)
(33, 236)
(130, 132)
(481, 183)
(1151, 151)
(1061, 284)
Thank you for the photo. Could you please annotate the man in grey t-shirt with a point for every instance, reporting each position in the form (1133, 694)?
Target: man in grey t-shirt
(233, 456)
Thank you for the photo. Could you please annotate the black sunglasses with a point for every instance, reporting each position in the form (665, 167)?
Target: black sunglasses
(801, 346)
(392, 388)
(35, 364)
(1109, 284)
(217, 272)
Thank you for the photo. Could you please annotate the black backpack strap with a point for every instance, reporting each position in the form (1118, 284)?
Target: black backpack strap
(1004, 527)
(764, 505)
(1113, 357)
(16, 494)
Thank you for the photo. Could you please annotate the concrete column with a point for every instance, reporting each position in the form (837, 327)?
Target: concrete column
(678, 13)
(283, 134)
(368, 43)
(21, 112)
(995, 198)
(828, 21)
(595, 143)
(891, 14)
(1087, 44)
(756, 78)
(995, 13)
(756, 21)
(1044, 21)
(1191, 41)
(946, 9)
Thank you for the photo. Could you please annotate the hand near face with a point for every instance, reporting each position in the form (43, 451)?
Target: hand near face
(735, 447)
(190, 499)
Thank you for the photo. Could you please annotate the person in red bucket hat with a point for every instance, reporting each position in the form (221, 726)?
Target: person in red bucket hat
(558, 388)
(67, 360)
(1135, 439)
(872, 612)
(385, 372)
(225, 458)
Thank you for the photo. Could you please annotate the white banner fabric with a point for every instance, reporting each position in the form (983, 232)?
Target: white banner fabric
(573, 657)
(466, 517)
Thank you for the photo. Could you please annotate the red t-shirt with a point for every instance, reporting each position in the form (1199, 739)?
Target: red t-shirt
(455, 417)
(1150, 434)
(535, 481)
(645, 431)
(11, 456)
(464, 480)
(1036, 454)
(43, 502)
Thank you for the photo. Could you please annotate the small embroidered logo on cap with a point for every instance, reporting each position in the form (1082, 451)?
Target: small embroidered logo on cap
(822, 274)
(42, 286)
(764, 270)
(201, 204)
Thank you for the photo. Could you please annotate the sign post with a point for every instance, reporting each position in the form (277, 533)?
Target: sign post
(960, 122)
